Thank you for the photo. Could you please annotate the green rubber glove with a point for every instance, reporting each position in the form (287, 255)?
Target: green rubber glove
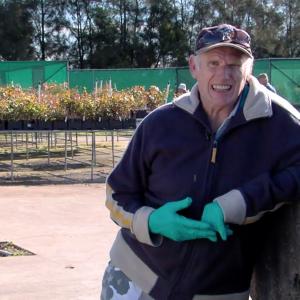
(213, 215)
(165, 221)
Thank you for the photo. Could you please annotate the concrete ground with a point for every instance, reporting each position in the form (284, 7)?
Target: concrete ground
(69, 230)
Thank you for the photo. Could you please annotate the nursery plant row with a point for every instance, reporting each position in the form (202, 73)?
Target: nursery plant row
(56, 107)
(72, 124)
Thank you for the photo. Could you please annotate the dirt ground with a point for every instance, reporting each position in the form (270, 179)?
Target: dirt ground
(69, 230)
(60, 157)
(52, 203)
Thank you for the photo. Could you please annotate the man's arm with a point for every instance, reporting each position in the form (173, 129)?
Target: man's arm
(263, 194)
(125, 188)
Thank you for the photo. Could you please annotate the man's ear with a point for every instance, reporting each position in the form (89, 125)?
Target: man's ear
(193, 65)
(249, 68)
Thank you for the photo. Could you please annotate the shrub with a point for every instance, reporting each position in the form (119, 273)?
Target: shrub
(56, 102)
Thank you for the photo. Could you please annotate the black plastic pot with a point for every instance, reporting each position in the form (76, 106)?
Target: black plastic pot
(115, 124)
(2, 125)
(75, 124)
(103, 124)
(30, 124)
(89, 125)
(14, 125)
(60, 125)
(141, 113)
(129, 123)
(45, 125)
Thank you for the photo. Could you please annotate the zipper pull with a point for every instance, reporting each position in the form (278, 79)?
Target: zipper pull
(214, 153)
(195, 178)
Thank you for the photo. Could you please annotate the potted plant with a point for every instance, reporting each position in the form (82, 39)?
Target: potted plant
(30, 111)
(86, 111)
(14, 107)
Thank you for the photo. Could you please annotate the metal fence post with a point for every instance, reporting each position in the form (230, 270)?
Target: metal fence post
(48, 137)
(26, 146)
(93, 157)
(66, 150)
(113, 148)
(36, 139)
(11, 157)
(71, 140)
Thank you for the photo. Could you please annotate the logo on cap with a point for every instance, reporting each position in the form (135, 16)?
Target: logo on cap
(223, 35)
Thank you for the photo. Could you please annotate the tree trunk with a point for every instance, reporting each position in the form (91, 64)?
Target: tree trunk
(277, 273)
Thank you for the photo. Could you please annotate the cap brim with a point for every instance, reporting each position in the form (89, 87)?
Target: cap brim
(224, 44)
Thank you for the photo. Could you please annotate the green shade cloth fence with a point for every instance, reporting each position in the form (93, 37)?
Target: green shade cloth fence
(124, 78)
(284, 74)
(29, 74)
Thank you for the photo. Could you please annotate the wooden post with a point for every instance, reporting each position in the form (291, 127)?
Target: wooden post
(277, 273)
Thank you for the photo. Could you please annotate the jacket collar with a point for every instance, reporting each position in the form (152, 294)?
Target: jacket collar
(257, 103)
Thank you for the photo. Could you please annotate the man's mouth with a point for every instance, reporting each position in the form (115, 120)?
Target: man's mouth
(221, 87)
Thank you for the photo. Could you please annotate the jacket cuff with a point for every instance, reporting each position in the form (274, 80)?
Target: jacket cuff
(140, 227)
(233, 206)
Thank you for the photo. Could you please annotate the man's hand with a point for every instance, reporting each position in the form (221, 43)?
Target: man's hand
(167, 222)
(213, 215)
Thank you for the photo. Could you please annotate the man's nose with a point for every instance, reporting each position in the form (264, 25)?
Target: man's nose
(224, 71)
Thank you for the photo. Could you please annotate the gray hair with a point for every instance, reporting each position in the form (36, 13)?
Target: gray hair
(263, 75)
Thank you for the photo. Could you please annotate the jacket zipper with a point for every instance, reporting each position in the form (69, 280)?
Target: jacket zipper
(214, 152)
(210, 170)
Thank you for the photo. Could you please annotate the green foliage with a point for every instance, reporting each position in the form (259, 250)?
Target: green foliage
(16, 31)
(139, 33)
(58, 103)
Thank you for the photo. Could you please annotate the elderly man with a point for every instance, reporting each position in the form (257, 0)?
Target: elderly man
(197, 177)
(181, 89)
(264, 80)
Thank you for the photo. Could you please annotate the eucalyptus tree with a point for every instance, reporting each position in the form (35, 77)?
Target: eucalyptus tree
(49, 23)
(267, 30)
(128, 19)
(15, 31)
(79, 14)
(204, 14)
(164, 34)
(138, 21)
(259, 17)
(106, 53)
(290, 33)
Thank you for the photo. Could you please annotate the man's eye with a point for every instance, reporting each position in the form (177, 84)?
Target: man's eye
(213, 63)
(235, 65)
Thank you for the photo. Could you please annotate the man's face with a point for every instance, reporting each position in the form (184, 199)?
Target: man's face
(221, 74)
(263, 80)
(181, 91)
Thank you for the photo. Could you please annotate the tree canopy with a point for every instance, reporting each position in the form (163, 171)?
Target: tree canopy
(139, 33)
